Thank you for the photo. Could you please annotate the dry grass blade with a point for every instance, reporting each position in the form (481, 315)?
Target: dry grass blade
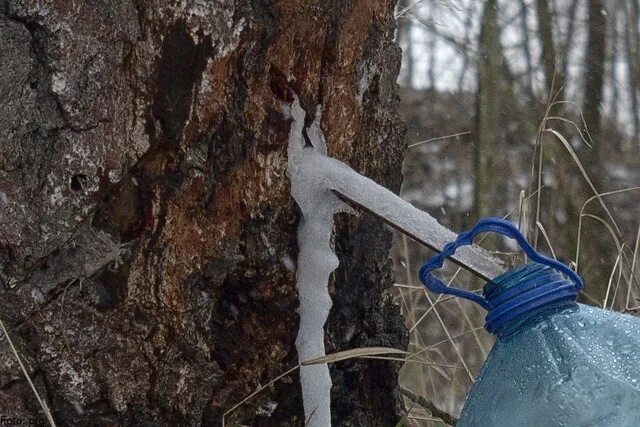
(364, 352)
(615, 290)
(571, 122)
(439, 138)
(613, 272)
(446, 331)
(43, 405)
(539, 190)
(429, 406)
(609, 229)
(468, 321)
(400, 285)
(353, 353)
(522, 214)
(584, 206)
(546, 238)
(633, 270)
(258, 390)
(420, 418)
(589, 142)
(416, 323)
(407, 269)
(574, 156)
(523, 219)
(551, 100)
(407, 10)
(432, 346)
(407, 360)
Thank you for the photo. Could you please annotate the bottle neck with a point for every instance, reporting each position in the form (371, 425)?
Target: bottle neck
(520, 296)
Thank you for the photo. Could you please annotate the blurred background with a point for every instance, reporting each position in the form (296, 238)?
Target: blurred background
(526, 109)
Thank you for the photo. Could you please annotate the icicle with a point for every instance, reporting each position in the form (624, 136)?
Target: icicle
(316, 260)
(315, 181)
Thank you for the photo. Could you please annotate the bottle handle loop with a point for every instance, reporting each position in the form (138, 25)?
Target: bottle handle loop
(490, 224)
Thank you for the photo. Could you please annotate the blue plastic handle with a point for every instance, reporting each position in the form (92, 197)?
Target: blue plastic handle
(497, 225)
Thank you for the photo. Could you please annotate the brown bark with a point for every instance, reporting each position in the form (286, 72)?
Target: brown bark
(147, 223)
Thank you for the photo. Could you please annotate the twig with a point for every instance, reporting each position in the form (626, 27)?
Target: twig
(43, 405)
(429, 406)
(439, 138)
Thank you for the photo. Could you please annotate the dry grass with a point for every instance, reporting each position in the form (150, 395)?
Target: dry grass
(451, 331)
(42, 403)
(448, 389)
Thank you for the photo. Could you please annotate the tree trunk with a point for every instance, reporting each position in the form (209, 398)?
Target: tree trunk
(405, 39)
(468, 29)
(148, 229)
(632, 52)
(526, 44)
(601, 252)
(572, 14)
(613, 72)
(595, 56)
(545, 28)
(489, 190)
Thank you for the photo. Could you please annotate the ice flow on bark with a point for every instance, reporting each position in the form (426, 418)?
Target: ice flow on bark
(316, 180)
(316, 259)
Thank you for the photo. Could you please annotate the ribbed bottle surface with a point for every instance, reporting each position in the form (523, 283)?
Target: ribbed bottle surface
(525, 294)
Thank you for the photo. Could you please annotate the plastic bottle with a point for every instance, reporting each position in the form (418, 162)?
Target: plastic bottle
(555, 362)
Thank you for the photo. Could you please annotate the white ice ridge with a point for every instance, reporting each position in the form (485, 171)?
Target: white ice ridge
(315, 180)
(316, 259)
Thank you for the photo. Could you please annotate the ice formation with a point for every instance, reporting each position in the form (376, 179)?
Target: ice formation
(316, 260)
(315, 181)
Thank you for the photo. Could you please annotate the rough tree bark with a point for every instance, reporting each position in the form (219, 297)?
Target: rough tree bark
(147, 224)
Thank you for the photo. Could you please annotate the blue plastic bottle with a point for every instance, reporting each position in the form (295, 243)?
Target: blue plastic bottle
(555, 362)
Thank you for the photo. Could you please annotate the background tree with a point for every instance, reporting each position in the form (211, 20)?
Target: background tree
(405, 40)
(493, 91)
(595, 56)
(552, 72)
(148, 230)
